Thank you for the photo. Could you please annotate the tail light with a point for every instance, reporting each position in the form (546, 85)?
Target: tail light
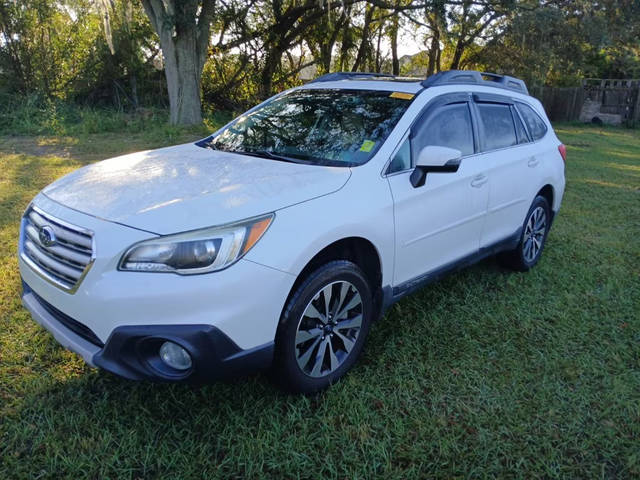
(563, 152)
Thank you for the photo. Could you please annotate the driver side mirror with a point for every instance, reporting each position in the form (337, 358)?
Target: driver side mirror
(435, 159)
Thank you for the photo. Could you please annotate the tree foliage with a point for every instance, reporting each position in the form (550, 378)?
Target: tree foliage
(568, 40)
(231, 53)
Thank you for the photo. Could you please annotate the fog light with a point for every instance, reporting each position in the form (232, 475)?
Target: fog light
(175, 356)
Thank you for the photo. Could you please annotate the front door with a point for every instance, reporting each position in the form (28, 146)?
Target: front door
(441, 221)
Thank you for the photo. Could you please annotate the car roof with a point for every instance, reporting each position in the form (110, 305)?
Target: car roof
(382, 81)
(412, 86)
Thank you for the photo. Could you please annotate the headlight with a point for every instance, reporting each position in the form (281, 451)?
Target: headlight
(198, 251)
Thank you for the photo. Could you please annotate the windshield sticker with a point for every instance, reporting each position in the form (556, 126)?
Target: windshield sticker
(402, 95)
(367, 146)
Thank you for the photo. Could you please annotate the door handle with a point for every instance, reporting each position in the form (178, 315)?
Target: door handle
(480, 180)
(533, 162)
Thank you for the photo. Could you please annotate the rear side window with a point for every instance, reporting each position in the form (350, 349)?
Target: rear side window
(499, 130)
(448, 126)
(535, 125)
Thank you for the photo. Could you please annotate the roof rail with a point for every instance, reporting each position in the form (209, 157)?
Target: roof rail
(452, 77)
(330, 77)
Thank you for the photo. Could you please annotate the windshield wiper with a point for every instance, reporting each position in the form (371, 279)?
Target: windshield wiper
(284, 158)
(268, 154)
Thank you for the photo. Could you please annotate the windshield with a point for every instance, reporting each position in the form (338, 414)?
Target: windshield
(325, 126)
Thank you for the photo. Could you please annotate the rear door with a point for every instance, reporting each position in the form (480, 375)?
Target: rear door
(508, 157)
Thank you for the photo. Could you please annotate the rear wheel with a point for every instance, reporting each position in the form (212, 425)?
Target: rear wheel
(323, 328)
(534, 235)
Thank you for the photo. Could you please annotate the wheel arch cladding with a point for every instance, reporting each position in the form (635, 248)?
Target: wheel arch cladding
(547, 193)
(358, 250)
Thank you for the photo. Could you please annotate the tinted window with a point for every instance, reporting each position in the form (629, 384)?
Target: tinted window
(520, 131)
(448, 126)
(323, 126)
(402, 159)
(537, 128)
(499, 131)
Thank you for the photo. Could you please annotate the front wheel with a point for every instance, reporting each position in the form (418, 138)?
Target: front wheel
(534, 235)
(323, 328)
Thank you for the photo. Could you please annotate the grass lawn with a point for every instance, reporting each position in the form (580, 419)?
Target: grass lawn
(487, 373)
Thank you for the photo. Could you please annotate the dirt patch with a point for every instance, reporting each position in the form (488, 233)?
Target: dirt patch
(38, 146)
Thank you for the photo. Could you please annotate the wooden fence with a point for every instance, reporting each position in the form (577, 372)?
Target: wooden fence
(561, 104)
(613, 101)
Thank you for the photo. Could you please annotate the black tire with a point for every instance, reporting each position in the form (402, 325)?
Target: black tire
(287, 371)
(520, 258)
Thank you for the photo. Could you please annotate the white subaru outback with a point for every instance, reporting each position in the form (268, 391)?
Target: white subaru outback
(277, 241)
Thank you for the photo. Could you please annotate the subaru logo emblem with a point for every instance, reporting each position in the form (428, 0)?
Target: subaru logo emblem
(47, 236)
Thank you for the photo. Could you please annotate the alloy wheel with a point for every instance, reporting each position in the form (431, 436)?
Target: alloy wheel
(534, 233)
(328, 329)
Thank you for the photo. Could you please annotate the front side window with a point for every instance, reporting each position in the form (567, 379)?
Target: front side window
(536, 126)
(448, 126)
(402, 159)
(336, 127)
(499, 130)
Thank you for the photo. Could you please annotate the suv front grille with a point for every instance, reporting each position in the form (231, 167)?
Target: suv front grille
(60, 252)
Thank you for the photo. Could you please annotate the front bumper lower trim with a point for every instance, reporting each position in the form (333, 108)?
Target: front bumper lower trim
(132, 351)
(64, 336)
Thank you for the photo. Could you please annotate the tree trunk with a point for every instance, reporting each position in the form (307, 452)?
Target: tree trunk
(457, 55)
(345, 45)
(434, 50)
(436, 18)
(378, 62)
(325, 58)
(326, 49)
(183, 82)
(183, 27)
(395, 61)
(345, 42)
(271, 61)
(133, 82)
(364, 41)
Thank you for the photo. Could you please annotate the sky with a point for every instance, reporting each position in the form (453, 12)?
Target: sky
(410, 42)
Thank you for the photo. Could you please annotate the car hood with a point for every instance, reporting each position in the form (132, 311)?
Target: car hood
(187, 187)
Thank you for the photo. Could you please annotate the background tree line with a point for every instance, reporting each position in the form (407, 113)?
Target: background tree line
(229, 54)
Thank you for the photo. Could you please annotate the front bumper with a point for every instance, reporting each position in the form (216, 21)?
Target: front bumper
(244, 301)
(132, 351)
(227, 318)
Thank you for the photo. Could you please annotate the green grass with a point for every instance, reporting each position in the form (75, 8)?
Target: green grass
(485, 374)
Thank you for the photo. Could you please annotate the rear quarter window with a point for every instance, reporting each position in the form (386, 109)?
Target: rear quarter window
(535, 125)
(520, 130)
